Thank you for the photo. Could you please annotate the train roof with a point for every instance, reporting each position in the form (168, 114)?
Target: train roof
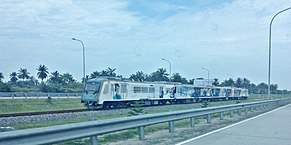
(103, 79)
(127, 80)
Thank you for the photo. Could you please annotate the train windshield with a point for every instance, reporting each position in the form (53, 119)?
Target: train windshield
(92, 87)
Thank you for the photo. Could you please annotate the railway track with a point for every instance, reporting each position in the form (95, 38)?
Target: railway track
(86, 110)
(42, 113)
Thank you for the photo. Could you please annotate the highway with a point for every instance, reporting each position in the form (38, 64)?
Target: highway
(271, 128)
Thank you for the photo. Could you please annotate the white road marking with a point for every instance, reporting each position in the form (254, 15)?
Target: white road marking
(209, 133)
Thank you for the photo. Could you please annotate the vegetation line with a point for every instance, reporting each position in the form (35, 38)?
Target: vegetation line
(23, 81)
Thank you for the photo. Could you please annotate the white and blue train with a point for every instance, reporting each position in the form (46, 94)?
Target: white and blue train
(116, 93)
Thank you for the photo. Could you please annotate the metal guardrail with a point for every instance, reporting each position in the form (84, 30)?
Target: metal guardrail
(60, 133)
(15, 95)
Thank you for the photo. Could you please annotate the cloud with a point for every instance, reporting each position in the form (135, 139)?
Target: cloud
(228, 37)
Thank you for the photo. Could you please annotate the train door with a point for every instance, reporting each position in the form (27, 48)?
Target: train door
(168, 91)
(124, 91)
(161, 92)
(152, 91)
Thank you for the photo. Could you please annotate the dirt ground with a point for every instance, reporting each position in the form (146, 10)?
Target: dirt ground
(163, 137)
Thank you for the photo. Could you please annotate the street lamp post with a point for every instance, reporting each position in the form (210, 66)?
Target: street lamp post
(170, 67)
(83, 61)
(208, 73)
(270, 45)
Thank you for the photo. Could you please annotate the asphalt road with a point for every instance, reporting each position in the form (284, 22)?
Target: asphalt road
(272, 128)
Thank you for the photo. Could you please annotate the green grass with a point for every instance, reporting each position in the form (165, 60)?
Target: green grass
(28, 105)
(57, 104)
(127, 134)
(31, 105)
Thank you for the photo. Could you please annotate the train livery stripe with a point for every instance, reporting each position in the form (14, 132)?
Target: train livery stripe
(101, 90)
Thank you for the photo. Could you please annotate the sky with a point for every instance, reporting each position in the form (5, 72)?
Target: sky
(224, 36)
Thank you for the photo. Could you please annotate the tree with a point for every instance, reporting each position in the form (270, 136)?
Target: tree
(103, 73)
(262, 88)
(23, 74)
(67, 78)
(159, 75)
(94, 74)
(246, 83)
(55, 77)
(110, 72)
(178, 78)
(32, 81)
(138, 76)
(216, 82)
(252, 88)
(42, 72)
(239, 83)
(273, 88)
(5, 87)
(1, 76)
(13, 77)
(191, 81)
(228, 82)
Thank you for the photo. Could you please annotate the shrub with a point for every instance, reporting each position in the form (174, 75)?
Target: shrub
(5, 87)
(204, 104)
(136, 109)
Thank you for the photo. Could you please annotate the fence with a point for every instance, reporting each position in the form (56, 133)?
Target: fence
(60, 133)
(25, 95)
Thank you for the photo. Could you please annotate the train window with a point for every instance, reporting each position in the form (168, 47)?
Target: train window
(151, 90)
(106, 89)
(112, 87)
(92, 87)
(144, 89)
(216, 92)
(136, 89)
(123, 88)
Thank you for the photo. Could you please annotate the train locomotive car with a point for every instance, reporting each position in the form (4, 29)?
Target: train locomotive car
(116, 93)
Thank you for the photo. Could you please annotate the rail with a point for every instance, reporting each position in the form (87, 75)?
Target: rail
(60, 133)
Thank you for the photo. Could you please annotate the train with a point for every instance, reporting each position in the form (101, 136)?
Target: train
(109, 93)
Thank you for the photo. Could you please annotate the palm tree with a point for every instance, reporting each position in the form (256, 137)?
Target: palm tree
(23, 74)
(1, 76)
(239, 83)
(67, 78)
(32, 81)
(176, 77)
(95, 74)
(138, 76)
(42, 72)
(103, 73)
(227, 83)
(159, 75)
(55, 77)
(111, 72)
(246, 83)
(216, 82)
(13, 77)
